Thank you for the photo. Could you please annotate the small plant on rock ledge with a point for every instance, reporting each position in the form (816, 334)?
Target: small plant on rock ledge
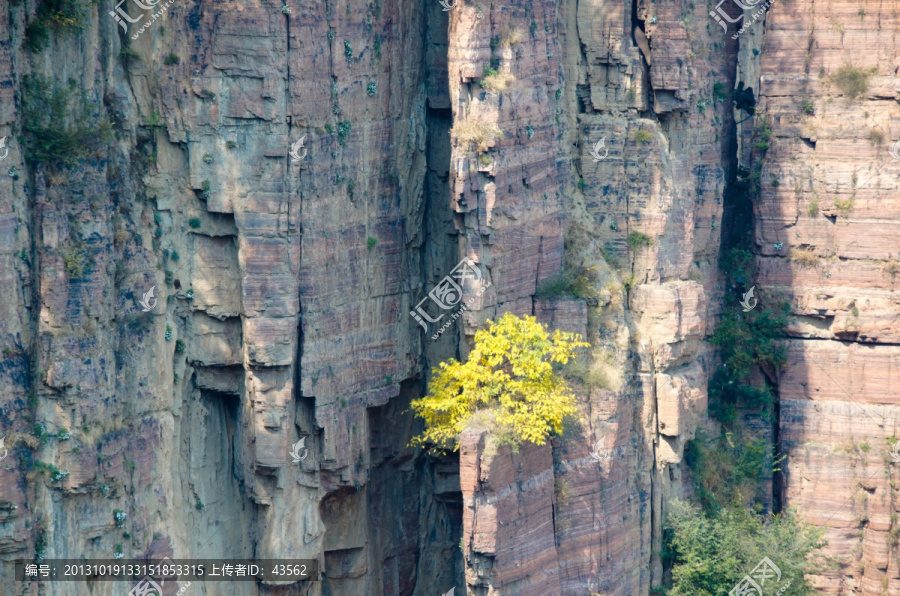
(638, 240)
(120, 517)
(580, 282)
(496, 81)
(844, 206)
(372, 88)
(474, 134)
(643, 136)
(74, 261)
(851, 80)
(348, 50)
(129, 55)
(376, 46)
(343, 129)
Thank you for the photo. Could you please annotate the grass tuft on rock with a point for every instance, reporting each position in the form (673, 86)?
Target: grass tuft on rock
(851, 80)
(475, 134)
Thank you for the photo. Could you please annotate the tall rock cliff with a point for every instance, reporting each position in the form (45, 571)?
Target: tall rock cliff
(826, 236)
(631, 146)
(293, 179)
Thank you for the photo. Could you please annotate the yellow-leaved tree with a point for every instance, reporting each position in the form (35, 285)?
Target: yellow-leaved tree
(510, 372)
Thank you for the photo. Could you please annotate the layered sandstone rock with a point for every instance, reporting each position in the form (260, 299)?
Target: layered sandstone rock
(283, 293)
(585, 80)
(284, 286)
(826, 234)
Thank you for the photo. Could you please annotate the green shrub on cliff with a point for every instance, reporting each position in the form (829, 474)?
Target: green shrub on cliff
(733, 468)
(851, 80)
(580, 282)
(56, 15)
(711, 555)
(638, 240)
(511, 376)
(746, 340)
(61, 124)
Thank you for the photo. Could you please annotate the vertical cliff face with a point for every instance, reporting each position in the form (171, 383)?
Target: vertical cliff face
(283, 289)
(629, 146)
(547, 142)
(826, 236)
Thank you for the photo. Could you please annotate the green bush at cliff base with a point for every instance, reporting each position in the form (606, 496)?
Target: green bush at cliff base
(511, 375)
(710, 555)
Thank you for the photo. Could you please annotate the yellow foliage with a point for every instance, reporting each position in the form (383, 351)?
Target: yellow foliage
(510, 372)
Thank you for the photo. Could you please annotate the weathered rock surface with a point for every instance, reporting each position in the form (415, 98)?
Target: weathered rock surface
(284, 286)
(582, 88)
(826, 232)
(283, 291)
